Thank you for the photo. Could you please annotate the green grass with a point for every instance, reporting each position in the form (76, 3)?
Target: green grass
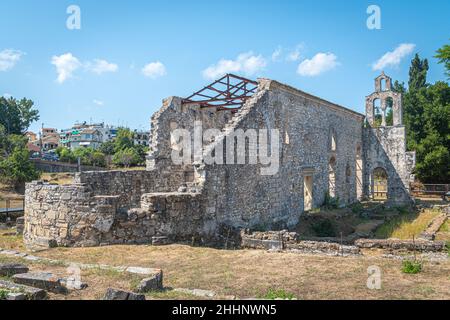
(278, 294)
(411, 267)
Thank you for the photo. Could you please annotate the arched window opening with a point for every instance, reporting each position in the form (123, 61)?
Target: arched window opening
(389, 112)
(377, 113)
(333, 144)
(332, 177)
(359, 173)
(383, 84)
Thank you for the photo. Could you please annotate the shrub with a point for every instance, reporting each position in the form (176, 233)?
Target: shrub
(279, 294)
(411, 267)
(126, 158)
(324, 228)
(330, 202)
(3, 294)
(357, 208)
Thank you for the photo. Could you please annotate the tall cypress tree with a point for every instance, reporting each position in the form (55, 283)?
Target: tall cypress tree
(418, 73)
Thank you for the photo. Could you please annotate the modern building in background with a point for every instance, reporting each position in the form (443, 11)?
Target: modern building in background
(141, 138)
(87, 135)
(48, 140)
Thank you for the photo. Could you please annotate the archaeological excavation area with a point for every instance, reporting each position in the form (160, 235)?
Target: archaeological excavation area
(333, 200)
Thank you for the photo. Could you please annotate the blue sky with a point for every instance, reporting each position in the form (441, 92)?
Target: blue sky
(129, 55)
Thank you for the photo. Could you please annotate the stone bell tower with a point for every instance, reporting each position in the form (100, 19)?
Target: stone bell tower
(384, 93)
(385, 145)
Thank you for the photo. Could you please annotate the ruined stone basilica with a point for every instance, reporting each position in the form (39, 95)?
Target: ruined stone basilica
(325, 149)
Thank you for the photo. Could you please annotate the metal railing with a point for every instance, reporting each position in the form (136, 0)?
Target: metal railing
(11, 205)
(430, 190)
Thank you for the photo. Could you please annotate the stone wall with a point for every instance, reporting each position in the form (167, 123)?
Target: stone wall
(73, 215)
(55, 167)
(181, 201)
(239, 195)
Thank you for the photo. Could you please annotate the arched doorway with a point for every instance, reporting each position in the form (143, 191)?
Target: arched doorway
(379, 184)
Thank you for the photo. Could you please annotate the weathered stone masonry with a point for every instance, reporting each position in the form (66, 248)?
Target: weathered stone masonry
(324, 148)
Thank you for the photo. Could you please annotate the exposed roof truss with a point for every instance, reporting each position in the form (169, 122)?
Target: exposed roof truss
(229, 92)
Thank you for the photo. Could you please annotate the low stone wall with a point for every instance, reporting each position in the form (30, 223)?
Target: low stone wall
(396, 244)
(56, 167)
(289, 241)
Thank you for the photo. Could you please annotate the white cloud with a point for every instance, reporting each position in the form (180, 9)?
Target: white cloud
(98, 102)
(295, 54)
(247, 63)
(277, 54)
(154, 70)
(66, 65)
(9, 58)
(320, 63)
(393, 58)
(99, 66)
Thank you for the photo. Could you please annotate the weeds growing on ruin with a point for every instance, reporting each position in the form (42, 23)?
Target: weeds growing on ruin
(3, 294)
(279, 294)
(411, 267)
(330, 202)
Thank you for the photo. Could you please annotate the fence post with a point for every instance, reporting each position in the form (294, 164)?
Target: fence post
(7, 209)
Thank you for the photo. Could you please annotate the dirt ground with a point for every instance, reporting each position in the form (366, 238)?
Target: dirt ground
(253, 273)
(245, 273)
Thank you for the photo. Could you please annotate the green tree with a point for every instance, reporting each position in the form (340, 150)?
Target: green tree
(17, 115)
(89, 157)
(418, 73)
(126, 158)
(124, 139)
(66, 155)
(16, 169)
(98, 159)
(443, 54)
(427, 119)
(107, 148)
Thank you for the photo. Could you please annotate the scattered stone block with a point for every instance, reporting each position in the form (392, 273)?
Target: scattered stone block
(73, 284)
(42, 280)
(30, 292)
(197, 292)
(16, 296)
(20, 224)
(153, 283)
(143, 271)
(43, 244)
(160, 241)
(8, 270)
(114, 294)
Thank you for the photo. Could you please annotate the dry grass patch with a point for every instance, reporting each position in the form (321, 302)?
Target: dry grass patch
(58, 178)
(252, 273)
(8, 240)
(407, 226)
